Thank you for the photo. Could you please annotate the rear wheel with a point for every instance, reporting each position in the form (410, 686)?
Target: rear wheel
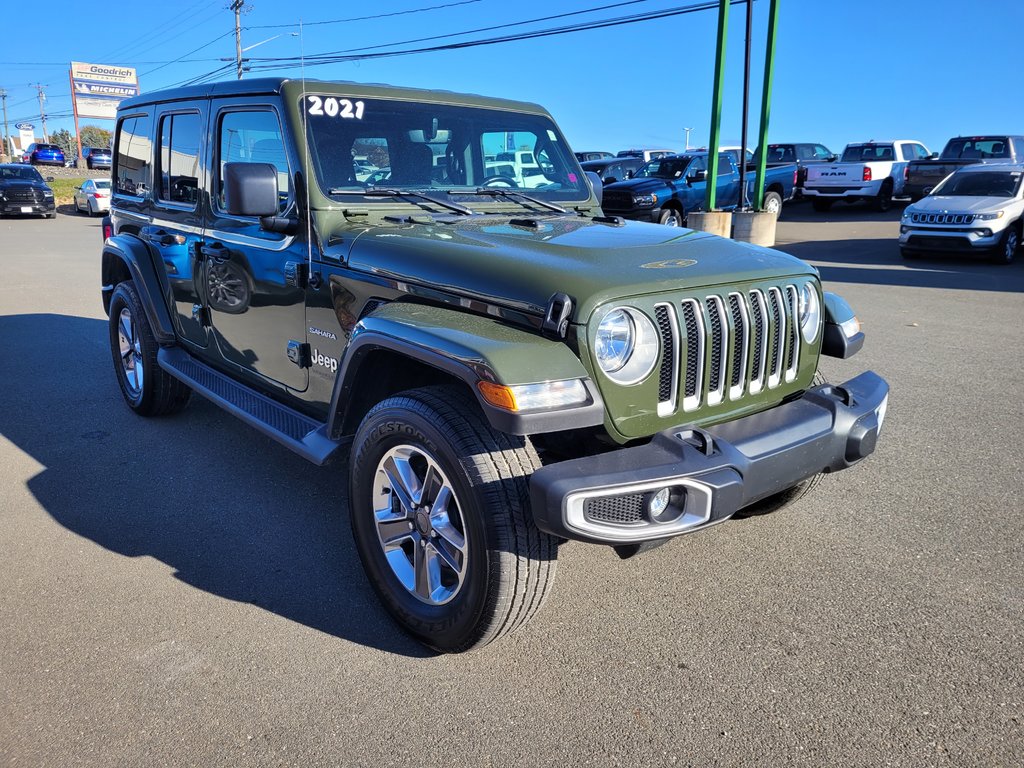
(820, 205)
(440, 513)
(883, 200)
(773, 203)
(147, 388)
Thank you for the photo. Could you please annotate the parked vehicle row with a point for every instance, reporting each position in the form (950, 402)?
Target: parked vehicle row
(873, 171)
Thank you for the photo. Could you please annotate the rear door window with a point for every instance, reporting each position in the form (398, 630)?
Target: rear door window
(134, 149)
(179, 158)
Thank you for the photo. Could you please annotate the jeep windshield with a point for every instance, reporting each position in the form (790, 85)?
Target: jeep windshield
(981, 184)
(434, 148)
(664, 168)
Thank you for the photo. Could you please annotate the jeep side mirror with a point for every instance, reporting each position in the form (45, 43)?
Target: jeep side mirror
(250, 189)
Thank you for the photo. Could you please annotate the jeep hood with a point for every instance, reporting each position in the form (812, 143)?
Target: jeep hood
(520, 265)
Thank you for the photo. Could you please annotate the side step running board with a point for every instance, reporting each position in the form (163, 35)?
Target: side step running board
(307, 437)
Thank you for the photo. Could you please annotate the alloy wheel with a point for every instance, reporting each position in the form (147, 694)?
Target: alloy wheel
(130, 346)
(419, 524)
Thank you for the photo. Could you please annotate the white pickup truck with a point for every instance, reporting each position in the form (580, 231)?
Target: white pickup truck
(873, 171)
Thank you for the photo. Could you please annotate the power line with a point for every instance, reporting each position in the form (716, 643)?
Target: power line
(365, 18)
(337, 57)
(498, 26)
(182, 57)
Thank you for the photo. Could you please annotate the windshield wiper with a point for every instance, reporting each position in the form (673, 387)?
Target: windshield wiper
(518, 196)
(374, 192)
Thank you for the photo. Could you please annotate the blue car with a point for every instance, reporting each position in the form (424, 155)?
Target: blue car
(45, 154)
(97, 157)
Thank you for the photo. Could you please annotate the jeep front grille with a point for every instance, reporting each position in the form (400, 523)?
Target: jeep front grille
(727, 345)
(942, 218)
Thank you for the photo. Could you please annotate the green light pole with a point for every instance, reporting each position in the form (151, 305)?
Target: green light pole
(766, 103)
(716, 106)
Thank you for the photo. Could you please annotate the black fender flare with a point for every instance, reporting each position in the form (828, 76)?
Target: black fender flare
(133, 254)
(464, 364)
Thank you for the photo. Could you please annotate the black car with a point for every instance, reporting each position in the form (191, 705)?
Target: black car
(23, 190)
(97, 157)
(613, 169)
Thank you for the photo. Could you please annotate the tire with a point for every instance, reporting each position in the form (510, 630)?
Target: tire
(820, 205)
(773, 204)
(1008, 245)
(498, 567)
(147, 388)
(883, 200)
(672, 217)
(783, 499)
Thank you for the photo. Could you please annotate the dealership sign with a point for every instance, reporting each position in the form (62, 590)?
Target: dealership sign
(99, 88)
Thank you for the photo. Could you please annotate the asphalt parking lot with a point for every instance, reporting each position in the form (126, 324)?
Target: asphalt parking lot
(186, 592)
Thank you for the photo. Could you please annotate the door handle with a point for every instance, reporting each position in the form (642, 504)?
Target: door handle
(161, 237)
(215, 252)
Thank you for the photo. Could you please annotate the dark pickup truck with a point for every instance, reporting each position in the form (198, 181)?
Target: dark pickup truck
(803, 154)
(666, 189)
(924, 175)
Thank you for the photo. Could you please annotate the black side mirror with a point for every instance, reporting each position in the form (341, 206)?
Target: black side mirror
(609, 179)
(250, 189)
(696, 176)
(935, 155)
(49, 178)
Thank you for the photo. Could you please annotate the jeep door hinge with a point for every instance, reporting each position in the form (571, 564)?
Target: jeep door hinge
(556, 318)
(296, 274)
(298, 353)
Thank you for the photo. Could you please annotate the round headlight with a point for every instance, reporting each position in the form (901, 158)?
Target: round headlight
(809, 309)
(615, 337)
(626, 346)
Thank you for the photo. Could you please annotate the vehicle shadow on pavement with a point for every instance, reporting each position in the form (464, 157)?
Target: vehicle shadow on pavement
(232, 513)
(878, 262)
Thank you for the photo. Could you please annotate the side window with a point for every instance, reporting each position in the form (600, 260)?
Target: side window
(922, 153)
(134, 159)
(804, 152)
(252, 137)
(696, 164)
(908, 152)
(821, 152)
(179, 158)
(724, 166)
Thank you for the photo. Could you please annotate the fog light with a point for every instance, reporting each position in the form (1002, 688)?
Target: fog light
(984, 232)
(664, 506)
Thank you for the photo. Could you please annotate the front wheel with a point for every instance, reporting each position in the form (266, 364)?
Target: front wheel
(440, 514)
(672, 217)
(1007, 248)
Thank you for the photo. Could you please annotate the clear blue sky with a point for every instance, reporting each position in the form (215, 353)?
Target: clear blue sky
(846, 70)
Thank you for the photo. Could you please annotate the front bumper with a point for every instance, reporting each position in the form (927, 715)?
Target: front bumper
(11, 207)
(953, 239)
(711, 473)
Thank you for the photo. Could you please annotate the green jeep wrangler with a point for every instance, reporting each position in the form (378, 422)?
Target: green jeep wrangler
(503, 367)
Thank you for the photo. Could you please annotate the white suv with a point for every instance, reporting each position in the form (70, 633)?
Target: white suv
(975, 209)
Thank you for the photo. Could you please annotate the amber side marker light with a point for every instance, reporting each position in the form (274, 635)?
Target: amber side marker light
(532, 397)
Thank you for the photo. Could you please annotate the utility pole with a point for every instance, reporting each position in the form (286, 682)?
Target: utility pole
(7, 133)
(236, 6)
(42, 111)
(687, 137)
